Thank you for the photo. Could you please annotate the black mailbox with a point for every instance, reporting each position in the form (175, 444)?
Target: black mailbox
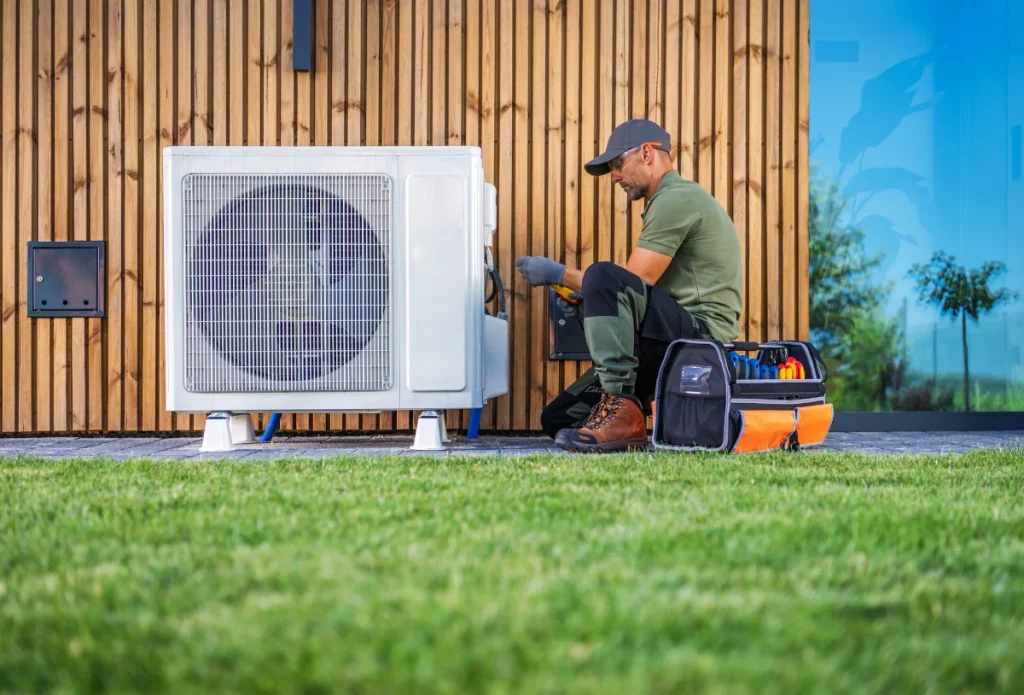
(65, 278)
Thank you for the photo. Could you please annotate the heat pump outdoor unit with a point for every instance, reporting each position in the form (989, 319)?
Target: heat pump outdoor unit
(328, 279)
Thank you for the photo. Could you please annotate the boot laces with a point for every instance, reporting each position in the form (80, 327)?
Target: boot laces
(604, 412)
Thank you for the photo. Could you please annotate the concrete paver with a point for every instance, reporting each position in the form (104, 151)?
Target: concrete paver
(184, 448)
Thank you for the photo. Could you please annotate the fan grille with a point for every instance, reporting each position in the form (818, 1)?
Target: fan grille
(287, 282)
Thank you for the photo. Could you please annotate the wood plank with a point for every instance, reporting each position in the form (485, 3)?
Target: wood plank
(421, 77)
(221, 106)
(755, 175)
(589, 145)
(655, 62)
(802, 202)
(674, 76)
(149, 241)
(455, 420)
(80, 198)
(97, 212)
(485, 23)
(521, 231)
(412, 52)
(605, 124)
(470, 100)
(355, 111)
(268, 72)
(183, 118)
(688, 139)
(321, 99)
(438, 65)
(789, 121)
(506, 40)
(555, 186)
(286, 124)
(167, 62)
(620, 203)
(286, 77)
(44, 204)
(132, 88)
(26, 193)
(723, 107)
(636, 90)
(202, 118)
(253, 70)
(62, 204)
(236, 71)
(11, 258)
(389, 79)
(740, 60)
(114, 229)
(456, 93)
(372, 114)
(705, 107)
(773, 222)
(536, 222)
(571, 220)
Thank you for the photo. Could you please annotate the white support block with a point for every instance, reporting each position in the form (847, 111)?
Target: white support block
(217, 434)
(241, 429)
(428, 432)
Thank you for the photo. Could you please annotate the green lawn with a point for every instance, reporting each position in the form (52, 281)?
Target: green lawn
(779, 573)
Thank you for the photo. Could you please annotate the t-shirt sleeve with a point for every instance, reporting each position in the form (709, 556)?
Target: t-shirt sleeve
(666, 233)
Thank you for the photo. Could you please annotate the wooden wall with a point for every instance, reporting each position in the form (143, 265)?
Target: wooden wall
(93, 89)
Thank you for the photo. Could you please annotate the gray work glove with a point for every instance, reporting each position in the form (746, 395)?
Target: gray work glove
(570, 311)
(539, 271)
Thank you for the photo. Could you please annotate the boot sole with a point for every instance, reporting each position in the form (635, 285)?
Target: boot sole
(609, 448)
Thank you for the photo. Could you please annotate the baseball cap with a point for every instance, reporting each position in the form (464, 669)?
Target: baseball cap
(625, 137)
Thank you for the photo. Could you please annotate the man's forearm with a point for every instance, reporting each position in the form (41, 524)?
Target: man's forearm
(573, 279)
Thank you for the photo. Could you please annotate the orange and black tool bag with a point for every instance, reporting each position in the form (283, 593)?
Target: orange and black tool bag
(740, 397)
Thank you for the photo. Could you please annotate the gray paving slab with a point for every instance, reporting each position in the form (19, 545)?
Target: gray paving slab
(176, 448)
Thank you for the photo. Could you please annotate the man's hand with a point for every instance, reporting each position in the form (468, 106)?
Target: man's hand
(570, 311)
(538, 271)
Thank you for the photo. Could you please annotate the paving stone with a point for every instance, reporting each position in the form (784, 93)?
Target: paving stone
(321, 446)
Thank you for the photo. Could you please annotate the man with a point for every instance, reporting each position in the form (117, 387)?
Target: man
(683, 279)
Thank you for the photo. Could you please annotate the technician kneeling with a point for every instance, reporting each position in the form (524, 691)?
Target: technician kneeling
(683, 279)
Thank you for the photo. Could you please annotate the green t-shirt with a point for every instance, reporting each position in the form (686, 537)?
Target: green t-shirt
(705, 277)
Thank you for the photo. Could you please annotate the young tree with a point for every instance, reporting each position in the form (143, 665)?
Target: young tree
(958, 292)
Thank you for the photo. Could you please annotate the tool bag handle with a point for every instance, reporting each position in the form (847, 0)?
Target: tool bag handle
(743, 346)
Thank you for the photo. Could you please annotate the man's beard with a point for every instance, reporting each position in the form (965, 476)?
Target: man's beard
(633, 193)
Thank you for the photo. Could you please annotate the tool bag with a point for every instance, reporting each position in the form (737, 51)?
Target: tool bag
(713, 396)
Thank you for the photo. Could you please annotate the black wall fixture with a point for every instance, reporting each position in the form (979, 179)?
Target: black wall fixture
(66, 278)
(302, 35)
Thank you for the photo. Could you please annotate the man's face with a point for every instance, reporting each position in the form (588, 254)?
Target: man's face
(631, 171)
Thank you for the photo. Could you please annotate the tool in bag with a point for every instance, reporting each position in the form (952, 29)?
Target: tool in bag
(709, 397)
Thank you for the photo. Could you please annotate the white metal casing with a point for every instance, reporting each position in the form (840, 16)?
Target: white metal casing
(443, 350)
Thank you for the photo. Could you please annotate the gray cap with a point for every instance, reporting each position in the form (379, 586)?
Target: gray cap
(625, 137)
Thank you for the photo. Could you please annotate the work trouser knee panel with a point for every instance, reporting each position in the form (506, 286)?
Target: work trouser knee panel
(602, 283)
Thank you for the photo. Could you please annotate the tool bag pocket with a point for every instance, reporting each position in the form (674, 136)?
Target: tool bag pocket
(708, 398)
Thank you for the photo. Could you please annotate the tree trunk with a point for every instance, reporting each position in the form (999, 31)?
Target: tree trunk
(967, 377)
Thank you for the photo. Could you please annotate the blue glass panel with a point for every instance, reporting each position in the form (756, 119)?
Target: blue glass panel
(916, 112)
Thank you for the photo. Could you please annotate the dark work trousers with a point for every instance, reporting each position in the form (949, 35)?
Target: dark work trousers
(628, 325)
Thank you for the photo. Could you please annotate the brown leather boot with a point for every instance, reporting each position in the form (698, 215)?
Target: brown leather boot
(616, 423)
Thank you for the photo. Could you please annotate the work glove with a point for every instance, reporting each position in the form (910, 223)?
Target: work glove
(570, 311)
(539, 271)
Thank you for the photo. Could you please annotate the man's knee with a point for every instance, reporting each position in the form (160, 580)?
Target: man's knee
(601, 284)
(608, 275)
